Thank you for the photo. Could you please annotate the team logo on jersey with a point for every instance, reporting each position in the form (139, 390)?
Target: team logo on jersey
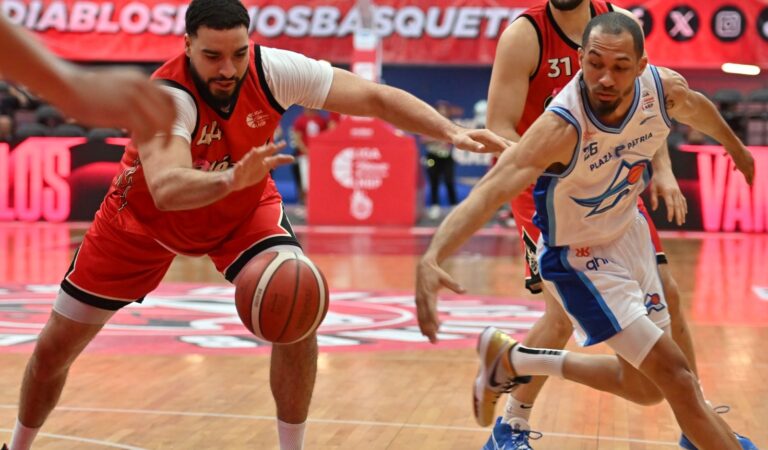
(206, 137)
(256, 119)
(627, 176)
(653, 303)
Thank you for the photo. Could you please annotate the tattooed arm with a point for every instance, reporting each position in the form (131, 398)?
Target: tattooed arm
(694, 109)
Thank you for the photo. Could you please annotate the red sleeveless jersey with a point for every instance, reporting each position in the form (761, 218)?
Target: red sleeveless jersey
(218, 141)
(558, 59)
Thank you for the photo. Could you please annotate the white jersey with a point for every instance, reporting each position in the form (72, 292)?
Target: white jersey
(594, 200)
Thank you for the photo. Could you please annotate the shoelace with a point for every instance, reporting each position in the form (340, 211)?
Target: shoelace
(534, 435)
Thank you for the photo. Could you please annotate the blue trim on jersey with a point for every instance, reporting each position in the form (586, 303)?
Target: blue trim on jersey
(580, 297)
(568, 117)
(660, 94)
(593, 118)
(544, 199)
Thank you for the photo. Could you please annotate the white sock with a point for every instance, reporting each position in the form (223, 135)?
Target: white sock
(537, 361)
(291, 435)
(22, 437)
(517, 409)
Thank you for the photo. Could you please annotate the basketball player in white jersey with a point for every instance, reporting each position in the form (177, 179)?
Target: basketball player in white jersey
(589, 156)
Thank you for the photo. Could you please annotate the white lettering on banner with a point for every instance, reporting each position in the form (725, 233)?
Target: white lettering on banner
(437, 22)
(360, 169)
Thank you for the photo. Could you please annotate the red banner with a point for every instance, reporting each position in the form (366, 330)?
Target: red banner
(363, 172)
(681, 33)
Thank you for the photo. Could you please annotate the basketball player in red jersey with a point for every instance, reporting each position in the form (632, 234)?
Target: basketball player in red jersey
(108, 98)
(208, 192)
(537, 55)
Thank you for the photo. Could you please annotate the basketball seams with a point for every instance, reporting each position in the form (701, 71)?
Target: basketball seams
(267, 285)
(261, 288)
(321, 307)
(296, 285)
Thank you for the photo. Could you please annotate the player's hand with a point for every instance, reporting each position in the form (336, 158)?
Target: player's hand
(743, 161)
(255, 165)
(429, 279)
(664, 185)
(479, 141)
(121, 98)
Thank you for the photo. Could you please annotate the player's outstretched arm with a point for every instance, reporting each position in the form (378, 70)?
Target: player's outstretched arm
(550, 140)
(356, 96)
(516, 59)
(108, 98)
(175, 185)
(694, 109)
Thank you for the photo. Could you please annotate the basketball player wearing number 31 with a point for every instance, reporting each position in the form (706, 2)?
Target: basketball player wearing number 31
(208, 192)
(537, 56)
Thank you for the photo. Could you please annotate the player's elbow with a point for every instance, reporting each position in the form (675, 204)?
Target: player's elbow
(161, 200)
(161, 194)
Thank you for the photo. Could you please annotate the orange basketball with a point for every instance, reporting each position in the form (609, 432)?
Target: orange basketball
(281, 297)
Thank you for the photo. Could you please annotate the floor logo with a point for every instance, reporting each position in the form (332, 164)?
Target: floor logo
(194, 318)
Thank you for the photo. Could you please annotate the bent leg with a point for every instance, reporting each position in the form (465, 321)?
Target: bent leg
(59, 344)
(667, 366)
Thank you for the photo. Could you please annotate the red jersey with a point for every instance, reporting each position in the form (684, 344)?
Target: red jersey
(218, 141)
(558, 59)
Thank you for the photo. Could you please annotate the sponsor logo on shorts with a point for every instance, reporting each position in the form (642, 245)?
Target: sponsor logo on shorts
(653, 303)
(596, 262)
(583, 252)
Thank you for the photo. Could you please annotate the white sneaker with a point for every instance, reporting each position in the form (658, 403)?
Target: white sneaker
(434, 212)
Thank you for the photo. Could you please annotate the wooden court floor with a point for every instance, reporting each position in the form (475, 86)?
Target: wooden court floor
(394, 392)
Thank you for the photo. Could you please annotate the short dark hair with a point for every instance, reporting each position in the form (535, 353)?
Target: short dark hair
(216, 14)
(616, 23)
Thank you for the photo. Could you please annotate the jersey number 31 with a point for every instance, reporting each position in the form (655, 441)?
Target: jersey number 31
(555, 67)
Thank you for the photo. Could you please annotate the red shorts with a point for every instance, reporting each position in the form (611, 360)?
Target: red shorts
(113, 267)
(523, 209)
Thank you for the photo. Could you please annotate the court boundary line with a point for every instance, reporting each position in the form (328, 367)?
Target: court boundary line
(597, 438)
(67, 437)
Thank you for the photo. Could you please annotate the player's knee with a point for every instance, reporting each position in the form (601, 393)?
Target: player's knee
(681, 383)
(49, 360)
(648, 396)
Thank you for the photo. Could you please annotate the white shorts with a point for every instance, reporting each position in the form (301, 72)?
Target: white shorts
(606, 287)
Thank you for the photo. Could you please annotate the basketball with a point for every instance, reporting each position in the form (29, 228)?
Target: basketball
(281, 297)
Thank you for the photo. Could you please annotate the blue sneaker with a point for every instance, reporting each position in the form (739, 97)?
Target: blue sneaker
(745, 442)
(511, 436)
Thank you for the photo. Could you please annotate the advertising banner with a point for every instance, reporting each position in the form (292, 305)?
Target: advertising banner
(681, 33)
(363, 172)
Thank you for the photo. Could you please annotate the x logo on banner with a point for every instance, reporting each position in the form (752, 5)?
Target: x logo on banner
(682, 23)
